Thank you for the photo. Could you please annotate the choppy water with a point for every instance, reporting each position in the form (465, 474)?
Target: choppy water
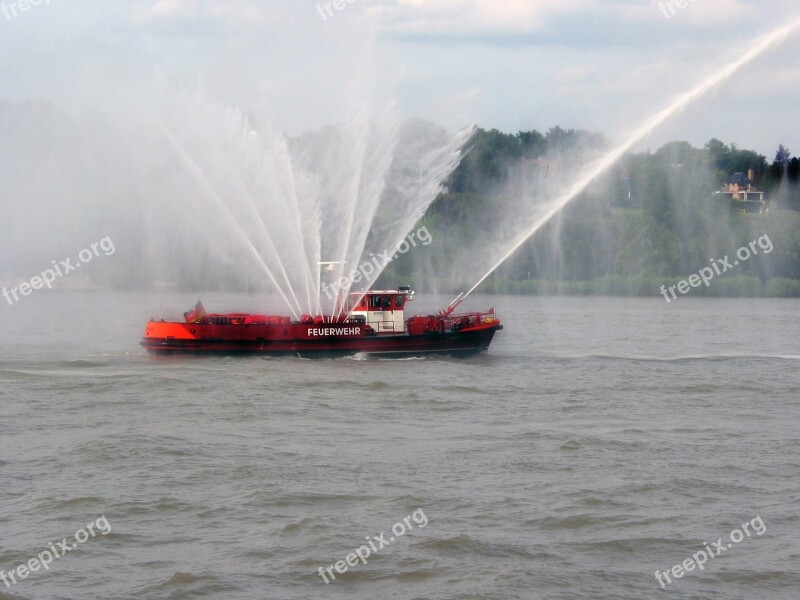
(599, 440)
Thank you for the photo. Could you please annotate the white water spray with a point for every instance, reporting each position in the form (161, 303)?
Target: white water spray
(369, 184)
(599, 166)
(195, 170)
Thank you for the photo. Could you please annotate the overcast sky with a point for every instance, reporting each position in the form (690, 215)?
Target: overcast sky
(601, 65)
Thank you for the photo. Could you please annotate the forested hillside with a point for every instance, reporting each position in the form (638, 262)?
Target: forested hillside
(653, 219)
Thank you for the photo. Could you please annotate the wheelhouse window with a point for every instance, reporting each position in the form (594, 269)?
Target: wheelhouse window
(381, 302)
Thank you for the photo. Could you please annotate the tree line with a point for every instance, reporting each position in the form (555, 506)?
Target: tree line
(652, 219)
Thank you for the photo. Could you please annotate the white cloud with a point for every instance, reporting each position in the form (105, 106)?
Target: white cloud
(709, 13)
(143, 12)
(476, 17)
(598, 64)
(695, 13)
(172, 8)
(242, 12)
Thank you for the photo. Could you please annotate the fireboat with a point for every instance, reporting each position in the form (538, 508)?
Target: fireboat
(371, 322)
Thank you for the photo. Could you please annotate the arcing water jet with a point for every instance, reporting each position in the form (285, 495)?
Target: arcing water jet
(609, 159)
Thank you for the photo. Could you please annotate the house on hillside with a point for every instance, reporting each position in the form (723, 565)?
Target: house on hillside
(744, 194)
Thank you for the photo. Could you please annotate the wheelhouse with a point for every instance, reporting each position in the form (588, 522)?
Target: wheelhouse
(382, 310)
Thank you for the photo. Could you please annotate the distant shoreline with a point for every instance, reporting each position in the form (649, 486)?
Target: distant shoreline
(730, 287)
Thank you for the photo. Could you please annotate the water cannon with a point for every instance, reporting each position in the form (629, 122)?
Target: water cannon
(453, 305)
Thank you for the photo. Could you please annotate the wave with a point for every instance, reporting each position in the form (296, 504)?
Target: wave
(671, 359)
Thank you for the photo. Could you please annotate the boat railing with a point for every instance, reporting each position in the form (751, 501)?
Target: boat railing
(466, 320)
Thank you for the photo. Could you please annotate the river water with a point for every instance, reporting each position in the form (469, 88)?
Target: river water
(599, 439)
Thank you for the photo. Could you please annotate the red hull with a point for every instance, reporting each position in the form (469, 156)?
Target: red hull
(321, 339)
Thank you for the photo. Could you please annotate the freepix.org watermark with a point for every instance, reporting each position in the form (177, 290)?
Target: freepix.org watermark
(325, 9)
(367, 269)
(13, 9)
(60, 269)
(706, 274)
(46, 557)
(361, 553)
(669, 8)
(701, 557)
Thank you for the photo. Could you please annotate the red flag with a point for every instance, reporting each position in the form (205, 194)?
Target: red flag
(197, 314)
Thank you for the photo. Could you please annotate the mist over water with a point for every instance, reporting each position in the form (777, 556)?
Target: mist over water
(525, 224)
(203, 196)
(199, 195)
